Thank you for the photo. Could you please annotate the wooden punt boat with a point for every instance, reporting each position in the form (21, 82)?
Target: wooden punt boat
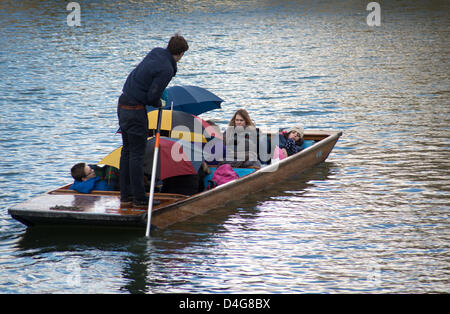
(100, 208)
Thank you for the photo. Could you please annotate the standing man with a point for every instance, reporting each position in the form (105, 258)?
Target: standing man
(144, 86)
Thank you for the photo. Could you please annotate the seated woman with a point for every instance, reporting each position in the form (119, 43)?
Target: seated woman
(92, 177)
(240, 140)
(291, 141)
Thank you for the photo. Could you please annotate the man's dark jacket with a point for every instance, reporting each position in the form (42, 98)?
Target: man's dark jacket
(147, 81)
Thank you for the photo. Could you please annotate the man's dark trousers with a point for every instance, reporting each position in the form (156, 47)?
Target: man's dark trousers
(134, 127)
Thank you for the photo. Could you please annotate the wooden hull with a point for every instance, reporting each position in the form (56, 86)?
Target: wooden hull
(66, 207)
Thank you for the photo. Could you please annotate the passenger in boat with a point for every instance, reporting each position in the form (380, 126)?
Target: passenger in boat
(92, 177)
(240, 140)
(241, 118)
(144, 87)
(291, 141)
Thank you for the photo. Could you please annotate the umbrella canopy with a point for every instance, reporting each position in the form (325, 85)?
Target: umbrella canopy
(191, 99)
(182, 125)
(112, 159)
(176, 157)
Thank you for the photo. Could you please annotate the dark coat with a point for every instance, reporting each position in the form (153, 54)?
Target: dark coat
(186, 185)
(146, 83)
(289, 144)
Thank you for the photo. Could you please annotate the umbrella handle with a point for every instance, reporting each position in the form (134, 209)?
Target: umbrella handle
(154, 167)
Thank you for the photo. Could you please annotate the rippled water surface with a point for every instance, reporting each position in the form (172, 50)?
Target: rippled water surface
(373, 218)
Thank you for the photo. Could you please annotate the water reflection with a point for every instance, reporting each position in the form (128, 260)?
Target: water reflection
(375, 220)
(165, 259)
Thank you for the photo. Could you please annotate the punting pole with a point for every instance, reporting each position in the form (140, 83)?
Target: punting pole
(154, 167)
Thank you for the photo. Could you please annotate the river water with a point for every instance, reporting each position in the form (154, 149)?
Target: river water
(374, 218)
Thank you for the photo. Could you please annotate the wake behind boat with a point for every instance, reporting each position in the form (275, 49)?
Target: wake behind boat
(63, 206)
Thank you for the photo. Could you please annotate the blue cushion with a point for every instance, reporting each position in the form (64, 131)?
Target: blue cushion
(307, 143)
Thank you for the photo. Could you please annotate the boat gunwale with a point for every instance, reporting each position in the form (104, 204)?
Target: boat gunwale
(331, 136)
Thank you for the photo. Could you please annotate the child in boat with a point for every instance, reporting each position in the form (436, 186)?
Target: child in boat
(291, 141)
(92, 177)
